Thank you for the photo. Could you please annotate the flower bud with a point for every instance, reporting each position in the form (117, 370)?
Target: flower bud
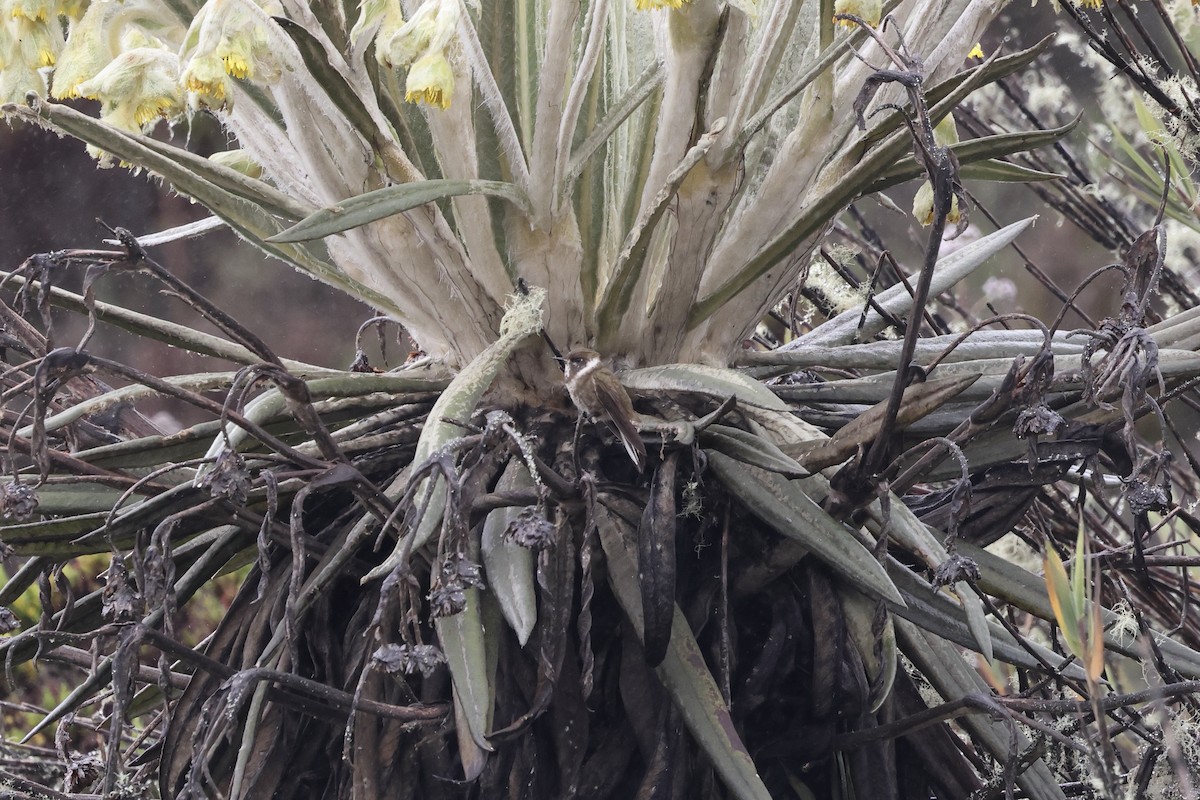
(431, 28)
(386, 14)
(238, 160)
(206, 82)
(945, 132)
(923, 206)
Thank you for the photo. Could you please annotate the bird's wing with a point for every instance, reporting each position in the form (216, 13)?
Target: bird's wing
(619, 416)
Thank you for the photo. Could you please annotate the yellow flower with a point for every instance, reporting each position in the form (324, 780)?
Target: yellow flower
(237, 60)
(1089, 3)
(654, 5)
(93, 41)
(869, 11)
(32, 10)
(976, 52)
(923, 206)
(207, 82)
(420, 44)
(225, 39)
(86, 53)
(430, 80)
(34, 43)
(137, 88)
(42, 10)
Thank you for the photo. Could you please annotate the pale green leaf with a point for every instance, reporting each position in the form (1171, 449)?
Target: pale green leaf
(977, 158)
(248, 218)
(371, 206)
(749, 448)
(462, 639)
(509, 566)
(950, 269)
(997, 171)
(784, 506)
(697, 378)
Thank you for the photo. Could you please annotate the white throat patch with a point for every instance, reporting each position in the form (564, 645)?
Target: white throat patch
(586, 369)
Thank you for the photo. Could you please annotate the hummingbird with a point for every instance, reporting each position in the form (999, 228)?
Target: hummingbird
(597, 393)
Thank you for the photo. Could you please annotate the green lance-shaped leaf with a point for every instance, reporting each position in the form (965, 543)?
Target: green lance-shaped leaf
(942, 665)
(371, 206)
(461, 636)
(82, 534)
(976, 158)
(897, 300)
(920, 400)
(458, 402)
(145, 326)
(1078, 617)
(54, 538)
(1062, 600)
(712, 381)
(234, 182)
(754, 400)
(173, 163)
(25, 576)
(995, 68)
(784, 506)
(997, 171)
(902, 526)
(752, 449)
(937, 612)
(508, 565)
(683, 672)
(67, 499)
